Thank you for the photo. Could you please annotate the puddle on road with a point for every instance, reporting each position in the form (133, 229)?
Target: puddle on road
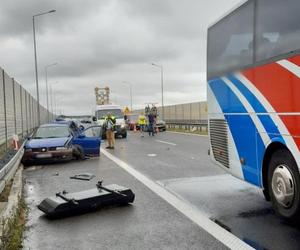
(256, 213)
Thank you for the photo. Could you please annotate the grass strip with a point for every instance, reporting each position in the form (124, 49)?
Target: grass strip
(13, 235)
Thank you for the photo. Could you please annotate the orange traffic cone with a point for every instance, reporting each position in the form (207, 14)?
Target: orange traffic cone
(15, 142)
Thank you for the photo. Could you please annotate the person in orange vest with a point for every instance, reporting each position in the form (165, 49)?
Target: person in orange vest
(142, 123)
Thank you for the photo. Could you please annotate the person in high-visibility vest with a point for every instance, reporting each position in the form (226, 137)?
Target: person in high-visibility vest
(142, 123)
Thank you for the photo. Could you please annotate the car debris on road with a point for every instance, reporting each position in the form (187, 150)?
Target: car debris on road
(66, 204)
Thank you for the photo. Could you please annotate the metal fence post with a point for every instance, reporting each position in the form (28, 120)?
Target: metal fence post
(190, 115)
(22, 121)
(26, 110)
(5, 111)
(14, 100)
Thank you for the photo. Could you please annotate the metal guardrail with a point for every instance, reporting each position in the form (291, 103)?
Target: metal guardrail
(7, 172)
(200, 125)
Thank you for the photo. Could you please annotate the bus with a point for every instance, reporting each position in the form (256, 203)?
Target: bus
(253, 92)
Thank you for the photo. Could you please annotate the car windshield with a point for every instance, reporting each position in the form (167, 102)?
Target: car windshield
(101, 114)
(52, 132)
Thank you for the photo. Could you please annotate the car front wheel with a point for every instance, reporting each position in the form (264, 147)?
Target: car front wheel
(284, 184)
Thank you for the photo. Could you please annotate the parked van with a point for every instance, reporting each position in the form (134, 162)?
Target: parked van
(102, 111)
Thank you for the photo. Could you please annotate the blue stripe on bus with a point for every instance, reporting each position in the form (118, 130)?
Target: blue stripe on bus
(243, 130)
(266, 120)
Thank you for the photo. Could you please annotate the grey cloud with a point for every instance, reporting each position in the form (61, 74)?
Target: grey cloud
(107, 42)
(16, 15)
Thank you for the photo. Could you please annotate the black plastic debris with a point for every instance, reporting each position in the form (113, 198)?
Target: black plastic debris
(66, 204)
(83, 176)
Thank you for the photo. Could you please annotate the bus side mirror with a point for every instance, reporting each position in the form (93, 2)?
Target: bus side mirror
(94, 119)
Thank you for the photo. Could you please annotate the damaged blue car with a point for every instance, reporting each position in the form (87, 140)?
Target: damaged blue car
(61, 142)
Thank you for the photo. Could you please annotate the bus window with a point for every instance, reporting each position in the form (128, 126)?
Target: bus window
(230, 41)
(277, 28)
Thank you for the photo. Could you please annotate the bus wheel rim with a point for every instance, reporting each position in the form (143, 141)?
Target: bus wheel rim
(283, 186)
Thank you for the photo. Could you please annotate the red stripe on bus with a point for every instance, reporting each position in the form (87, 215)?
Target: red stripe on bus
(295, 60)
(292, 123)
(278, 85)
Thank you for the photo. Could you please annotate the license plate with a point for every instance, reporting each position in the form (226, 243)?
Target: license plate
(43, 156)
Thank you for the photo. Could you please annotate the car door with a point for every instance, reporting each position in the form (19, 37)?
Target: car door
(90, 140)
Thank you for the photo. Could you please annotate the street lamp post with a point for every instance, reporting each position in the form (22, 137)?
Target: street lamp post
(47, 89)
(162, 87)
(52, 98)
(35, 62)
(130, 90)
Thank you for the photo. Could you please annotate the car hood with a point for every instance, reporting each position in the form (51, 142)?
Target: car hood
(50, 142)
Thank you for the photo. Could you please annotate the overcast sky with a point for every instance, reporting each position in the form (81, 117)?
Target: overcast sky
(105, 42)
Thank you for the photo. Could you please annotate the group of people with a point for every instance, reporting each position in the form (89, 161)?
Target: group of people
(148, 123)
(144, 122)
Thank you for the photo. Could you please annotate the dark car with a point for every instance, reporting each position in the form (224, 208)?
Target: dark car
(161, 125)
(61, 142)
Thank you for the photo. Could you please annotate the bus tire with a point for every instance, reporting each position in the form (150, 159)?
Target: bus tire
(284, 184)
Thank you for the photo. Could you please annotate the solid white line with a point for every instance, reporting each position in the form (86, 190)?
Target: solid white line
(165, 142)
(182, 133)
(184, 207)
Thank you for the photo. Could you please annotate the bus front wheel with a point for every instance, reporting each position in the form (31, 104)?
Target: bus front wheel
(284, 184)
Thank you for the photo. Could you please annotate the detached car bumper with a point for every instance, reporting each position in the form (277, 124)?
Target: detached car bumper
(30, 157)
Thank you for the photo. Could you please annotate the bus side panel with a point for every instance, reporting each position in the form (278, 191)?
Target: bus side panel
(279, 85)
(248, 143)
(215, 113)
(242, 128)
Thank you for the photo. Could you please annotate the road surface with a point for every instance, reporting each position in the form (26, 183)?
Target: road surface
(179, 164)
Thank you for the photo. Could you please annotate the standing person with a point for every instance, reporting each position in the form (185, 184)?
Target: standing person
(110, 122)
(151, 123)
(142, 123)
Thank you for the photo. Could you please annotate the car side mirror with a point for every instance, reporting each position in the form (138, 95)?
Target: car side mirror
(94, 119)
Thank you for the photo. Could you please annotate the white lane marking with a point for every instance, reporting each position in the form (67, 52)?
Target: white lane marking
(165, 142)
(184, 207)
(151, 155)
(182, 133)
(294, 68)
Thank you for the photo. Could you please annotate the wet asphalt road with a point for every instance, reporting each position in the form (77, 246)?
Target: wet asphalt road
(179, 163)
(150, 223)
(182, 165)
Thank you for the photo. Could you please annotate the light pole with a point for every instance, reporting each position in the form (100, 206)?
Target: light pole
(47, 89)
(130, 89)
(162, 87)
(52, 98)
(35, 62)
